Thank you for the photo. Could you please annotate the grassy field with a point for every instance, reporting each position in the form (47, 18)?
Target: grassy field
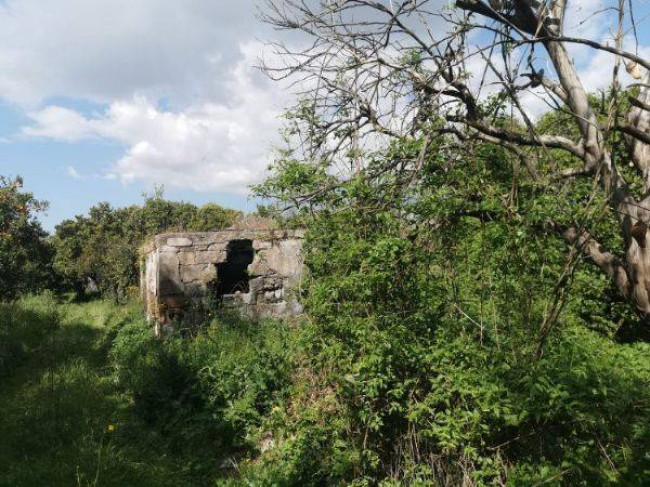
(63, 419)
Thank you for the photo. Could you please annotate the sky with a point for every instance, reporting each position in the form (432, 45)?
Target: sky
(102, 100)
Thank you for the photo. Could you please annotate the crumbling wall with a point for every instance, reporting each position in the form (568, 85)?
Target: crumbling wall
(180, 274)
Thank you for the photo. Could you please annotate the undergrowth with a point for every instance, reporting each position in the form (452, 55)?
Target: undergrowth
(91, 398)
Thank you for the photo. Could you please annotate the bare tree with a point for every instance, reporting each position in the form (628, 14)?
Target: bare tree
(375, 70)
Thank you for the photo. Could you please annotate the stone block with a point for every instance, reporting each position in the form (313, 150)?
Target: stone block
(218, 246)
(211, 257)
(199, 272)
(259, 267)
(272, 283)
(187, 258)
(179, 242)
(169, 280)
(261, 245)
(256, 285)
(285, 258)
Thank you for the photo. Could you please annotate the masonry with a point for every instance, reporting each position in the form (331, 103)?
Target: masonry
(187, 276)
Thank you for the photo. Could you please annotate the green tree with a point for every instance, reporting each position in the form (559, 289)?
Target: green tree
(104, 246)
(25, 253)
(387, 72)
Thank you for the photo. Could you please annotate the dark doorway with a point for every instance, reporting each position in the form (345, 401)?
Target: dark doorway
(232, 275)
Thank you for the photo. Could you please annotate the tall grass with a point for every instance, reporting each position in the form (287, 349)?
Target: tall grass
(89, 397)
(206, 395)
(24, 326)
(64, 421)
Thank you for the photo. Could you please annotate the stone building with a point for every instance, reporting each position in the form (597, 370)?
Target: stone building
(186, 276)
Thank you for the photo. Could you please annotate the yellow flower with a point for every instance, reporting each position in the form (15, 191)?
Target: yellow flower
(111, 428)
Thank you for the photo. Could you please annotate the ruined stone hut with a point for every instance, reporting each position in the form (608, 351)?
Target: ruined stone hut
(256, 272)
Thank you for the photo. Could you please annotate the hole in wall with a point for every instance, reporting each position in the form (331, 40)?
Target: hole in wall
(232, 275)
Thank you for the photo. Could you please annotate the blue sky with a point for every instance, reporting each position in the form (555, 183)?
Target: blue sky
(100, 100)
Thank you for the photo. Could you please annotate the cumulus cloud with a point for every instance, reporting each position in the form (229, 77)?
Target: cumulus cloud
(174, 82)
(207, 146)
(103, 50)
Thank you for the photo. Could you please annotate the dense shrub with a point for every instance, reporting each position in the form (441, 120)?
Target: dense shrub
(206, 394)
(402, 382)
(436, 357)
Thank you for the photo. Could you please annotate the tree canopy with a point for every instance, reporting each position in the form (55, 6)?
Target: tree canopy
(25, 254)
(458, 77)
(104, 246)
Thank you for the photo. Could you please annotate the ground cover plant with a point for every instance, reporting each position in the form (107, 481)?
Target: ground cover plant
(90, 397)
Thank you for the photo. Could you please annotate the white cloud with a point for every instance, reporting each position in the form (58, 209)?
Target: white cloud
(175, 79)
(73, 173)
(207, 146)
(103, 50)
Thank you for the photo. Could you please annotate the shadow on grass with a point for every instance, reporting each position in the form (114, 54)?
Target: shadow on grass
(63, 422)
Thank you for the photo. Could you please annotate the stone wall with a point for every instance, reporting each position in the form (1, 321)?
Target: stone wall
(181, 282)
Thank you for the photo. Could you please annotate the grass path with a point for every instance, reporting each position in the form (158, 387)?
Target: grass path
(63, 422)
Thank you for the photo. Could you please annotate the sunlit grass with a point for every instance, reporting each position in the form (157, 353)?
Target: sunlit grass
(63, 420)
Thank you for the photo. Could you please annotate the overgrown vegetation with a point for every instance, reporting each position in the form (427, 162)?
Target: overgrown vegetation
(427, 357)
(463, 327)
(457, 340)
(24, 327)
(96, 400)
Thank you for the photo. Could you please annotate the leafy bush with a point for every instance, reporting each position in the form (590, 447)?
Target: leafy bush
(206, 394)
(434, 357)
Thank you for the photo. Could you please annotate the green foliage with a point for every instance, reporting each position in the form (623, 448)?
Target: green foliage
(428, 297)
(25, 255)
(428, 357)
(208, 394)
(105, 245)
(65, 420)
